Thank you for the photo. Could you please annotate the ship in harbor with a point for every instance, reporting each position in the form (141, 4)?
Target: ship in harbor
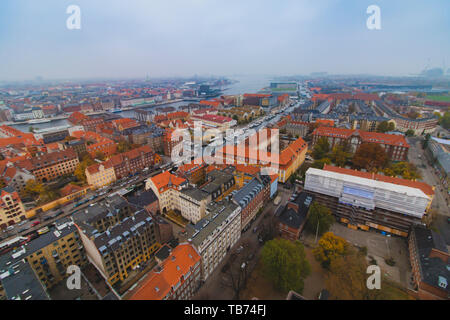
(36, 121)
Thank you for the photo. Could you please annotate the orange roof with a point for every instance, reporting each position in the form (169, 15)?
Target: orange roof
(366, 136)
(157, 285)
(325, 122)
(426, 188)
(69, 189)
(166, 180)
(248, 169)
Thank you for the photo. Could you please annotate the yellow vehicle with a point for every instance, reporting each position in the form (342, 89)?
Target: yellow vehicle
(43, 230)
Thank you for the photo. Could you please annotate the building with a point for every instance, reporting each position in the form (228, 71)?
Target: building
(215, 234)
(51, 166)
(50, 254)
(100, 174)
(18, 281)
(166, 186)
(367, 200)
(14, 177)
(218, 185)
(193, 172)
(430, 261)
(394, 145)
(251, 198)
(12, 210)
(117, 237)
(175, 278)
(293, 218)
(96, 143)
(192, 203)
(147, 200)
(133, 161)
(53, 134)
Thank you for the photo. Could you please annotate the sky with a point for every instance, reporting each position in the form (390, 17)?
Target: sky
(168, 38)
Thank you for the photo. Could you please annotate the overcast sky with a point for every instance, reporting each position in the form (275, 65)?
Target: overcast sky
(134, 38)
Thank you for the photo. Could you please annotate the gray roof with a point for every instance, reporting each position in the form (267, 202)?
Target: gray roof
(195, 193)
(432, 270)
(244, 195)
(218, 212)
(21, 283)
(295, 218)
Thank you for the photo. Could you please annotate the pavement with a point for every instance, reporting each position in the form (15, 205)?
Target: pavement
(417, 156)
(381, 247)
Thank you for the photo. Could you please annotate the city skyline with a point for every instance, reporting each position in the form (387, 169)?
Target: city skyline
(181, 39)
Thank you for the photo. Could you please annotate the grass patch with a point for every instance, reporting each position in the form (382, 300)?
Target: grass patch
(443, 98)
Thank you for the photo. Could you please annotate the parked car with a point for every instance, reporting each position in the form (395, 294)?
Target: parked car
(35, 223)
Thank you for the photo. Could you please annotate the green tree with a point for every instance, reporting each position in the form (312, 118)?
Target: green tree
(285, 264)
(320, 219)
(370, 156)
(383, 127)
(409, 133)
(445, 121)
(339, 157)
(31, 129)
(319, 164)
(321, 148)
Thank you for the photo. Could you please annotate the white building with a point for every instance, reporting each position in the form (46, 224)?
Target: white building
(215, 234)
(193, 203)
(166, 187)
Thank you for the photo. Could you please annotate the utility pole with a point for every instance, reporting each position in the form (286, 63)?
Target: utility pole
(317, 231)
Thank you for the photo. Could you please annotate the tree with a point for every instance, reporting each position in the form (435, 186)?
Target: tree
(319, 164)
(339, 157)
(329, 248)
(409, 133)
(425, 142)
(370, 156)
(80, 170)
(321, 148)
(284, 262)
(31, 129)
(33, 189)
(404, 169)
(347, 277)
(100, 156)
(383, 127)
(319, 219)
(445, 121)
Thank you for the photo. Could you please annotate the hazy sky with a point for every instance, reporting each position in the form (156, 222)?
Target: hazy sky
(134, 38)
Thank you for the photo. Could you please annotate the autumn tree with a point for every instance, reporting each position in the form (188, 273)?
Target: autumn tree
(100, 156)
(319, 219)
(347, 277)
(329, 248)
(404, 169)
(370, 156)
(339, 156)
(284, 262)
(321, 148)
(445, 121)
(80, 170)
(33, 189)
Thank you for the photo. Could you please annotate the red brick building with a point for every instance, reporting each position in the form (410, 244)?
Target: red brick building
(395, 146)
(133, 161)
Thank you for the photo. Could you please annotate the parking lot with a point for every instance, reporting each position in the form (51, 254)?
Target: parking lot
(380, 247)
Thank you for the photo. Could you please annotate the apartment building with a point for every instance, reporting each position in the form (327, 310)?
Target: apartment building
(192, 203)
(18, 281)
(175, 278)
(219, 184)
(192, 172)
(429, 260)
(133, 161)
(100, 174)
(394, 145)
(214, 235)
(166, 186)
(14, 177)
(52, 253)
(367, 200)
(96, 143)
(251, 198)
(117, 237)
(12, 210)
(51, 166)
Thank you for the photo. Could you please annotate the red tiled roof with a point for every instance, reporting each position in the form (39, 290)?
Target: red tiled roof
(157, 285)
(426, 188)
(165, 180)
(366, 136)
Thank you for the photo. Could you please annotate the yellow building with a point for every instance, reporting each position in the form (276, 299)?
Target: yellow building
(100, 174)
(12, 210)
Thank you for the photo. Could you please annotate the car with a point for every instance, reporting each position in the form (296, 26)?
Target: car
(35, 223)
(10, 228)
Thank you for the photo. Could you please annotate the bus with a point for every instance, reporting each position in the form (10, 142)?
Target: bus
(43, 230)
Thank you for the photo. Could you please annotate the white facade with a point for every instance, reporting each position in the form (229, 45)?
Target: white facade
(367, 193)
(220, 231)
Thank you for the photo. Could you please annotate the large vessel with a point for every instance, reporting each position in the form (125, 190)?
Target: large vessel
(35, 121)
